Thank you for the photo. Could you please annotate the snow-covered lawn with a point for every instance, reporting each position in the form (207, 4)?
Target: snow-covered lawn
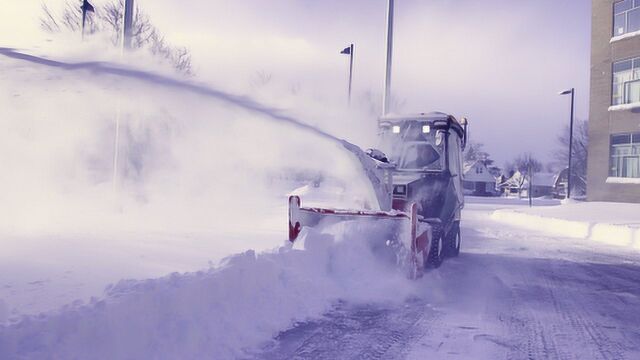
(41, 273)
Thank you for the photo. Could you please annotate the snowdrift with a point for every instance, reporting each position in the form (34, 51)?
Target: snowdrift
(221, 313)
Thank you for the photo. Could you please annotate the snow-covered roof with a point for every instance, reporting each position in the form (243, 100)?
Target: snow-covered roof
(539, 179)
(477, 172)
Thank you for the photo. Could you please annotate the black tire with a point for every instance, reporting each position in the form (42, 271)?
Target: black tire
(454, 239)
(436, 253)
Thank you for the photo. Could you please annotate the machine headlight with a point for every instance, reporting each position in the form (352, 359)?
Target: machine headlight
(395, 129)
(400, 190)
(426, 129)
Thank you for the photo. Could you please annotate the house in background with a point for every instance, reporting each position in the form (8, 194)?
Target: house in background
(478, 180)
(543, 184)
(513, 186)
(561, 184)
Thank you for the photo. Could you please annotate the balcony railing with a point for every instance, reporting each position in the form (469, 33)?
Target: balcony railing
(632, 91)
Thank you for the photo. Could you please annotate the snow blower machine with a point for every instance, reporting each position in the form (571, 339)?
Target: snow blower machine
(417, 179)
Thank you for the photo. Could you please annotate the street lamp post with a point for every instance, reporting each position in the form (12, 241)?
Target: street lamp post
(349, 51)
(571, 91)
(86, 7)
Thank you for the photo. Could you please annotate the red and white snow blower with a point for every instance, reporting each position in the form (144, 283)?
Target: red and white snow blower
(418, 188)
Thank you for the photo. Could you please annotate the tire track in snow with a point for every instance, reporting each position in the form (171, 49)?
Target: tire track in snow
(558, 320)
(354, 332)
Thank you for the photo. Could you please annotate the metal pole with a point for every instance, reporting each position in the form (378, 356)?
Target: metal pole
(350, 70)
(530, 183)
(387, 79)
(128, 24)
(84, 19)
(116, 148)
(573, 91)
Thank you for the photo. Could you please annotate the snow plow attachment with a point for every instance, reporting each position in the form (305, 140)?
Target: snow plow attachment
(412, 235)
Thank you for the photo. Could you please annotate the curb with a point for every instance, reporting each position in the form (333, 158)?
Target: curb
(613, 234)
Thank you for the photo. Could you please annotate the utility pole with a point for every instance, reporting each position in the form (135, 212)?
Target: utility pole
(128, 24)
(386, 98)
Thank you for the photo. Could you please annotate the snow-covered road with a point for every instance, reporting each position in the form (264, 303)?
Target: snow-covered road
(512, 294)
(67, 253)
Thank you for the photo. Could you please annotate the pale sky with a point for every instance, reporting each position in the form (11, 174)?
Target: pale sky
(498, 62)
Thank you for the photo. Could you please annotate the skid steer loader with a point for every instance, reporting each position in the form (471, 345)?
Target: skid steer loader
(417, 178)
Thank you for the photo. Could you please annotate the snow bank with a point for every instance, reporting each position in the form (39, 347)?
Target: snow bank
(221, 313)
(610, 223)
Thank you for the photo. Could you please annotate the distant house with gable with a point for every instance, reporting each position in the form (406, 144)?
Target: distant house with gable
(543, 184)
(513, 186)
(477, 179)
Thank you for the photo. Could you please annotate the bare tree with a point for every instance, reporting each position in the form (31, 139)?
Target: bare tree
(48, 21)
(474, 151)
(579, 154)
(526, 165)
(523, 163)
(70, 19)
(109, 18)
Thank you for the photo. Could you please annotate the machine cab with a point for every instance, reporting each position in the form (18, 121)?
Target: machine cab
(423, 142)
(427, 152)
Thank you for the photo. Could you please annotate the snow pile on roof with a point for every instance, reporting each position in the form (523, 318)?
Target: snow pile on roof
(611, 223)
(220, 313)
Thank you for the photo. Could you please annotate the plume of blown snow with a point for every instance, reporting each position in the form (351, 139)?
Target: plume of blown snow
(188, 154)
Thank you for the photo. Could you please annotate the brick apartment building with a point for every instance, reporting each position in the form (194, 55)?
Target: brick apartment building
(614, 118)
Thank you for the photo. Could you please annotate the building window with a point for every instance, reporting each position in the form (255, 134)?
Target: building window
(626, 17)
(626, 81)
(625, 155)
